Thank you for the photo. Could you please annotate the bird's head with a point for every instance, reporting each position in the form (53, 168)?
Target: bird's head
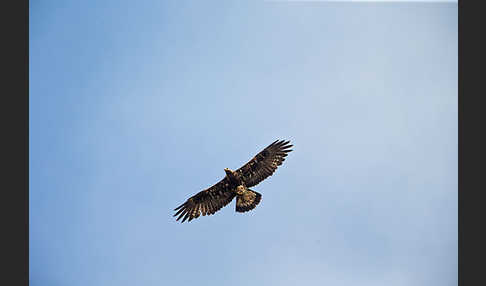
(228, 171)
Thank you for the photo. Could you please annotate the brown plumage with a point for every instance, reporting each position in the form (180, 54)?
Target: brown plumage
(236, 184)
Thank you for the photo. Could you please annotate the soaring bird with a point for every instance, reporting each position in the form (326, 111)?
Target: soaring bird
(236, 184)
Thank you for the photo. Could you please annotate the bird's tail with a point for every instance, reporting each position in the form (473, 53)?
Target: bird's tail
(247, 201)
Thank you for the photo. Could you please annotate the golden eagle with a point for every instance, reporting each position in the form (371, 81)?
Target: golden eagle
(236, 184)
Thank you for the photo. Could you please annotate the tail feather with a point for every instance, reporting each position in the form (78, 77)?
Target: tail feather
(247, 201)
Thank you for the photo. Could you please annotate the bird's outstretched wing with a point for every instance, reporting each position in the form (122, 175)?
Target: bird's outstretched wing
(206, 202)
(264, 163)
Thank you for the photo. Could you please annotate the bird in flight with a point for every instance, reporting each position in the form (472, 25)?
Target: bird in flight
(236, 184)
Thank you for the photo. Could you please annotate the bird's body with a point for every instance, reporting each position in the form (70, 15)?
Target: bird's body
(236, 184)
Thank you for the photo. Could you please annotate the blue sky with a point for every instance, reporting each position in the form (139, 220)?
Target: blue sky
(136, 107)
